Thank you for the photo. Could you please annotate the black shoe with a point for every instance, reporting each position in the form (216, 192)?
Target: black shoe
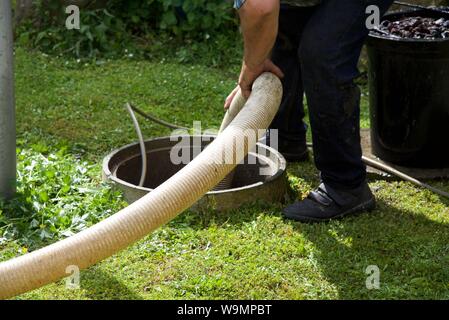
(293, 151)
(326, 203)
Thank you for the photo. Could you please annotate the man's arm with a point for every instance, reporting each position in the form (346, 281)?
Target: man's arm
(259, 23)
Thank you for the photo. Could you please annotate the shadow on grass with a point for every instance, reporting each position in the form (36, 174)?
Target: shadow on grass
(102, 285)
(411, 252)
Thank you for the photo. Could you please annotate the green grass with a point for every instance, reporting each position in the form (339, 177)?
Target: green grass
(245, 254)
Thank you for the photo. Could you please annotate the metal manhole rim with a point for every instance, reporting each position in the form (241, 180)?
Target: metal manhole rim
(282, 167)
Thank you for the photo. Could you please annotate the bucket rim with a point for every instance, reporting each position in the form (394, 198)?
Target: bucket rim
(373, 35)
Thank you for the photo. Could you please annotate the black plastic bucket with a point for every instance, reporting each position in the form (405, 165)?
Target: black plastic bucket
(409, 98)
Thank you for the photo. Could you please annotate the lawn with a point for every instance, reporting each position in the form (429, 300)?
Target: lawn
(70, 115)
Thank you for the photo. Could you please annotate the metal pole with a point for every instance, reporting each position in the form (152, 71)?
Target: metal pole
(7, 104)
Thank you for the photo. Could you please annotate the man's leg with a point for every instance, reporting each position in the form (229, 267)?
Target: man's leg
(289, 119)
(329, 54)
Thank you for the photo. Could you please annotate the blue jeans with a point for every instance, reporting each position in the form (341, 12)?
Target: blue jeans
(318, 49)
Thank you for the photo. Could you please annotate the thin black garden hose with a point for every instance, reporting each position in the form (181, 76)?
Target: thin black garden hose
(388, 169)
(155, 119)
(143, 151)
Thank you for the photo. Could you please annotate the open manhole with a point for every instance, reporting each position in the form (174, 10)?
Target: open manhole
(123, 168)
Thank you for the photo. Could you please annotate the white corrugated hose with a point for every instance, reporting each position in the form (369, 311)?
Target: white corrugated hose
(134, 222)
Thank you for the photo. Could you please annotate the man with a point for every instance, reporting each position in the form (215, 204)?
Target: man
(314, 46)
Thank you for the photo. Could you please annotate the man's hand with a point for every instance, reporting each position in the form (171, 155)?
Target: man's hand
(259, 25)
(247, 77)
